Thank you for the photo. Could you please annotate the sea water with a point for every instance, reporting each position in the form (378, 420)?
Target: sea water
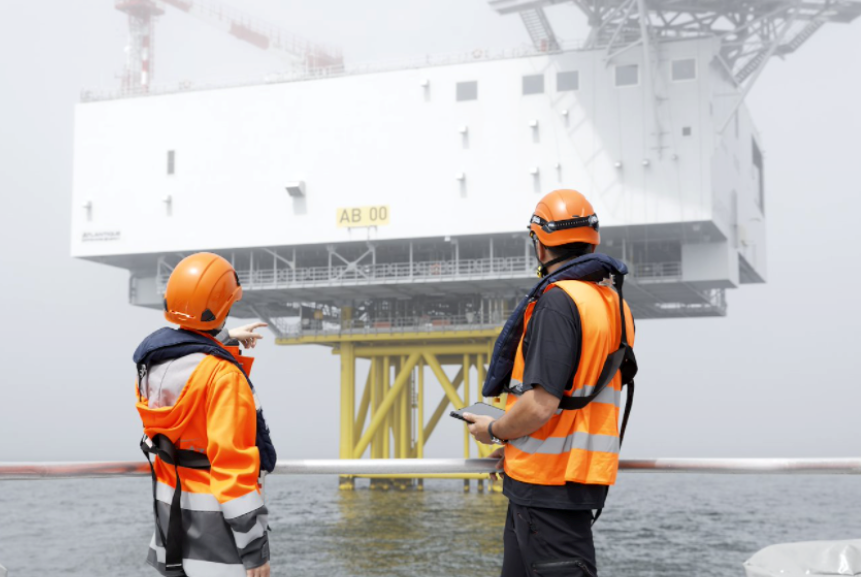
(655, 525)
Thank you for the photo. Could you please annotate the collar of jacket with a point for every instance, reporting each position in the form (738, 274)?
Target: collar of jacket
(166, 344)
(590, 267)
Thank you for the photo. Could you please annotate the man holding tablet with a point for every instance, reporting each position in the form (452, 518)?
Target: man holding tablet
(561, 426)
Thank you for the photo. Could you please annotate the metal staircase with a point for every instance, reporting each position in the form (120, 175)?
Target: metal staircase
(539, 29)
(800, 38)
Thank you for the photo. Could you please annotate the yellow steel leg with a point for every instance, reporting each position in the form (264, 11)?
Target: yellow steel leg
(348, 389)
(405, 419)
(420, 428)
(479, 365)
(386, 404)
(395, 420)
(377, 439)
(401, 421)
(387, 367)
(364, 404)
(466, 435)
(375, 403)
(483, 450)
(387, 418)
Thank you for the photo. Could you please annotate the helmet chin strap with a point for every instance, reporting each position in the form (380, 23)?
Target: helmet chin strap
(543, 267)
(542, 270)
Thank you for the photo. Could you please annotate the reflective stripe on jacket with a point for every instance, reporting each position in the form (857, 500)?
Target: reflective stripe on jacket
(203, 403)
(580, 446)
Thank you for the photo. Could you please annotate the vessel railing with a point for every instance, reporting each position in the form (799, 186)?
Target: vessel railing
(437, 467)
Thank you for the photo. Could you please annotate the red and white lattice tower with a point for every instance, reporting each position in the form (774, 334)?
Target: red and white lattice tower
(139, 59)
(299, 53)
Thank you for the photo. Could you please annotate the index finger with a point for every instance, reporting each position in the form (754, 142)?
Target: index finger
(253, 326)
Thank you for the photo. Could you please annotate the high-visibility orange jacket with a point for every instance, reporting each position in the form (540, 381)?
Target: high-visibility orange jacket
(204, 403)
(580, 446)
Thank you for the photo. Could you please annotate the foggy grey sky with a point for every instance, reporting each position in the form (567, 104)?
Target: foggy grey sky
(774, 378)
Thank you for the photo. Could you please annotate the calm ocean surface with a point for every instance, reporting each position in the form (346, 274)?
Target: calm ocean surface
(661, 525)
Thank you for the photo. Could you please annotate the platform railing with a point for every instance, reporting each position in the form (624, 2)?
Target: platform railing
(433, 467)
(368, 273)
(394, 324)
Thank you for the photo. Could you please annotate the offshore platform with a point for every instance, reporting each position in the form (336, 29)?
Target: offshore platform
(390, 204)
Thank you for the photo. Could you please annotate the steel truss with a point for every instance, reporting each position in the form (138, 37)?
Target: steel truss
(389, 419)
(749, 31)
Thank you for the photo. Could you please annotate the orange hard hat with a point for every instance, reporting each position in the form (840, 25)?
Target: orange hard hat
(564, 216)
(200, 291)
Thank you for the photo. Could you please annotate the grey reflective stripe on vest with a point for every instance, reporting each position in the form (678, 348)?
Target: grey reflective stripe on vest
(242, 505)
(211, 545)
(160, 553)
(218, 537)
(609, 395)
(196, 567)
(190, 501)
(560, 445)
(257, 530)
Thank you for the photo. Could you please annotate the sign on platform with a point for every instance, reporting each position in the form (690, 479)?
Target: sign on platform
(363, 216)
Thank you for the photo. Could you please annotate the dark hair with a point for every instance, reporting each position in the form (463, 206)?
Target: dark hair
(571, 250)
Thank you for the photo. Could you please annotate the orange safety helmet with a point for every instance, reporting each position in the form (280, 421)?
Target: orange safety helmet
(564, 216)
(200, 291)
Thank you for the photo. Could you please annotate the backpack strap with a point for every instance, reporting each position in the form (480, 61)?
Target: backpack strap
(622, 359)
(627, 363)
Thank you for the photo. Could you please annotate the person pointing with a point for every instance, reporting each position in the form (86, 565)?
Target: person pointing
(204, 433)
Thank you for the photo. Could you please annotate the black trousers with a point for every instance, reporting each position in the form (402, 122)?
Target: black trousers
(548, 543)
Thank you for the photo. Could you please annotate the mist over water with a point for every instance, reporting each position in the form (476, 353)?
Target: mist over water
(656, 525)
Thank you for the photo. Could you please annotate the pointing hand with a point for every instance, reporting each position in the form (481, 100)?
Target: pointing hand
(246, 335)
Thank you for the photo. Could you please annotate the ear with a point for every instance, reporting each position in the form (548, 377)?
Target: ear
(541, 252)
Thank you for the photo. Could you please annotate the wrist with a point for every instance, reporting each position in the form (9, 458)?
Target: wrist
(494, 438)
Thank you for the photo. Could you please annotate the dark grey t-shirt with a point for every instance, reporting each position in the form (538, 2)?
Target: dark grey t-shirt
(551, 349)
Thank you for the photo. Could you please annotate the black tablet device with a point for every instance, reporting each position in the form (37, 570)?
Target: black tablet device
(478, 409)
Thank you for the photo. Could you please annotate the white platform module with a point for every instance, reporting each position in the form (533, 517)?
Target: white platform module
(425, 154)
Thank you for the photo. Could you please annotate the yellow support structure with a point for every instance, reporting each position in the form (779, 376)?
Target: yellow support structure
(466, 436)
(348, 388)
(388, 417)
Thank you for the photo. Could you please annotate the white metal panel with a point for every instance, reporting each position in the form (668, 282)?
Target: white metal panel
(384, 139)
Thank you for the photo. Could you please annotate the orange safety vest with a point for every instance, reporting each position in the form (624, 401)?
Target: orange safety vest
(580, 446)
